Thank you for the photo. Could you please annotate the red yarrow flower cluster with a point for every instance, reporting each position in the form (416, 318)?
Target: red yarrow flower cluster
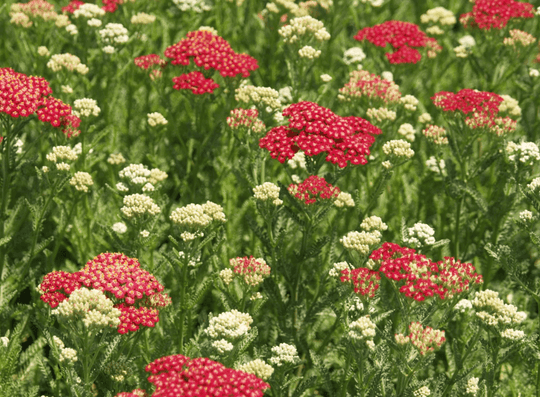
(422, 278)
(178, 375)
(488, 14)
(252, 270)
(72, 6)
(315, 129)
(146, 61)
(313, 189)
(22, 96)
(108, 6)
(425, 339)
(481, 109)
(365, 281)
(136, 293)
(196, 82)
(402, 36)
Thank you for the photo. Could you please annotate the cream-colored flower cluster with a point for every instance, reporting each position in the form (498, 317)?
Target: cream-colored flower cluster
(534, 185)
(361, 241)
(463, 305)
(258, 368)
(222, 346)
(422, 392)
(90, 305)
(116, 158)
(62, 153)
(510, 106)
(465, 47)
(304, 29)
(267, 191)
(526, 216)
(139, 174)
(119, 227)
(81, 180)
(407, 131)
(231, 325)
(494, 311)
(435, 167)
(513, 334)
(88, 10)
(297, 10)
(155, 119)
(197, 6)
(524, 152)
(373, 223)
(258, 95)
(353, 55)
(519, 37)
(419, 235)
(439, 15)
(409, 102)
(86, 107)
(398, 148)
(472, 386)
(43, 51)
(67, 61)
(136, 205)
(114, 33)
(195, 217)
(435, 134)
(227, 276)
(381, 114)
(326, 78)
(298, 161)
(66, 353)
(344, 200)
(284, 354)
(309, 52)
(142, 18)
(337, 268)
(424, 118)
(363, 328)
(20, 18)
(252, 270)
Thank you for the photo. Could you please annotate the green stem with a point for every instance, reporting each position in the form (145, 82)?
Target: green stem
(183, 307)
(58, 240)
(6, 181)
(456, 231)
(345, 380)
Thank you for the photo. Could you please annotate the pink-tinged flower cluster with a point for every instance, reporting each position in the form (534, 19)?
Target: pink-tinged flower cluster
(36, 8)
(146, 61)
(402, 36)
(315, 129)
(178, 375)
(364, 84)
(72, 6)
(487, 14)
(426, 339)
(252, 270)
(247, 118)
(365, 281)
(481, 109)
(313, 189)
(422, 278)
(196, 82)
(22, 96)
(134, 393)
(136, 293)
(108, 6)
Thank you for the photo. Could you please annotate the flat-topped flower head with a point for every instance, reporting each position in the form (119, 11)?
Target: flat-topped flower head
(419, 235)
(268, 191)
(366, 281)
(304, 29)
(231, 325)
(314, 189)
(114, 33)
(362, 329)
(210, 51)
(137, 205)
(488, 14)
(67, 61)
(245, 118)
(402, 36)
(315, 129)
(196, 82)
(427, 339)
(86, 107)
(252, 270)
(182, 376)
(435, 134)
(258, 368)
(147, 61)
(259, 96)
(363, 84)
(284, 354)
(81, 181)
(361, 242)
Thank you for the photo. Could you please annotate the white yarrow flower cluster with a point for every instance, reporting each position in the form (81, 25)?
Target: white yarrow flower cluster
(527, 152)
(43, 51)
(284, 354)
(197, 6)
(138, 204)
(495, 311)
(304, 28)
(116, 158)
(72, 29)
(142, 18)
(258, 368)
(338, 268)
(222, 346)
(298, 161)
(309, 52)
(4, 341)
(353, 55)
(512, 334)
(363, 328)
(419, 235)
(67, 61)
(139, 174)
(510, 106)
(258, 95)
(534, 185)
(156, 119)
(422, 392)
(114, 32)
(94, 22)
(381, 114)
(62, 153)
(526, 216)
(267, 191)
(195, 217)
(373, 223)
(361, 241)
(81, 180)
(231, 325)
(326, 78)
(88, 11)
(472, 386)
(227, 276)
(534, 72)
(408, 131)
(439, 15)
(409, 102)
(398, 148)
(432, 165)
(86, 107)
(90, 305)
(463, 305)
(119, 227)
(344, 200)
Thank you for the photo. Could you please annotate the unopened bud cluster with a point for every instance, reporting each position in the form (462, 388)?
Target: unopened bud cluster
(258, 95)
(268, 191)
(231, 325)
(137, 205)
(258, 368)
(284, 354)
(81, 181)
